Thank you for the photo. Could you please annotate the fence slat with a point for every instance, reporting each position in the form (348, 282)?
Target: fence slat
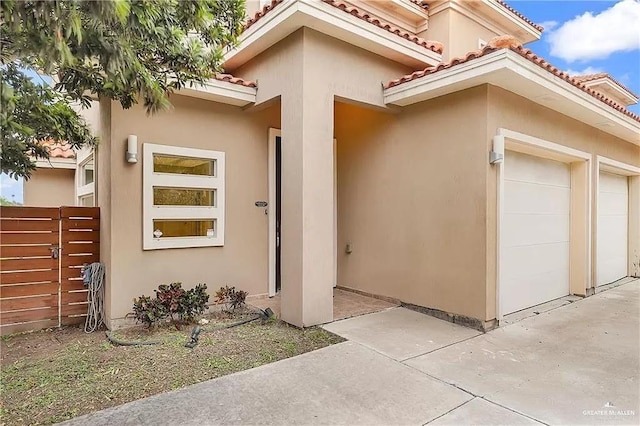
(74, 297)
(79, 260)
(31, 315)
(70, 224)
(23, 303)
(28, 277)
(20, 225)
(77, 248)
(77, 236)
(30, 212)
(31, 238)
(91, 212)
(28, 289)
(24, 251)
(29, 264)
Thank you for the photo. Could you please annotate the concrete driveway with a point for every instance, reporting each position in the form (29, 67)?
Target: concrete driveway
(577, 364)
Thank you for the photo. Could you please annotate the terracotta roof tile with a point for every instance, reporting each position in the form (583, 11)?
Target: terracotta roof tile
(590, 77)
(508, 42)
(235, 80)
(431, 45)
(520, 15)
(58, 149)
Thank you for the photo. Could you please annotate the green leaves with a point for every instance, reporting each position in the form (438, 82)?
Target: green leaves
(127, 50)
(30, 113)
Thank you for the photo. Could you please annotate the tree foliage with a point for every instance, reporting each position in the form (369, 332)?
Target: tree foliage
(126, 50)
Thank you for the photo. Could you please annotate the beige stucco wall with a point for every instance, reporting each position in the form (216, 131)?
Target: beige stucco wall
(307, 71)
(242, 261)
(458, 33)
(50, 188)
(411, 201)
(510, 111)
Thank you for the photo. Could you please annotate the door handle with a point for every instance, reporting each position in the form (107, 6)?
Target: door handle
(55, 252)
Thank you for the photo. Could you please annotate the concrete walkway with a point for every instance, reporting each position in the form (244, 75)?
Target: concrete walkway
(577, 364)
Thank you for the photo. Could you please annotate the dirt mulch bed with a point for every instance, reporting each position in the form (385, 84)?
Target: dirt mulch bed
(54, 375)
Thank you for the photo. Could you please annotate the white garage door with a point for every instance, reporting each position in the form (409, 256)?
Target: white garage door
(535, 231)
(613, 208)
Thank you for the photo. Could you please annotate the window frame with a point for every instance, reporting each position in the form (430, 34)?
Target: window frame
(85, 190)
(152, 212)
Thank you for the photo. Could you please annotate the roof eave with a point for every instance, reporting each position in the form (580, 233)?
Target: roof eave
(222, 92)
(510, 71)
(287, 17)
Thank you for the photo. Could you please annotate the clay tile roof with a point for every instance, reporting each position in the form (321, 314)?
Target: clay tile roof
(58, 149)
(431, 45)
(509, 42)
(520, 15)
(590, 77)
(235, 80)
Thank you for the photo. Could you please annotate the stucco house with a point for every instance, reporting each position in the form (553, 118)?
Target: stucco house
(410, 149)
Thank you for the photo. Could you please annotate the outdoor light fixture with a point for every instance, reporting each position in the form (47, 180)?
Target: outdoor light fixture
(132, 149)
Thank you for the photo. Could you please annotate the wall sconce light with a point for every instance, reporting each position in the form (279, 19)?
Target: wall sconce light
(132, 149)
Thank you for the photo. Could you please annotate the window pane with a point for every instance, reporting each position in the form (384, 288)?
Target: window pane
(87, 173)
(183, 228)
(87, 201)
(183, 197)
(183, 165)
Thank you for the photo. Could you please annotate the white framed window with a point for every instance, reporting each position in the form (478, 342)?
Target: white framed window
(183, 197)
(85, 180)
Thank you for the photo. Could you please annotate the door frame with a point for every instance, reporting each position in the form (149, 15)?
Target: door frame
(608, 165)
(580, 246)
(273, 134)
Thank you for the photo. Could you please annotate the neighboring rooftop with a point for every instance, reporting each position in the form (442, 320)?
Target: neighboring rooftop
(58, 149)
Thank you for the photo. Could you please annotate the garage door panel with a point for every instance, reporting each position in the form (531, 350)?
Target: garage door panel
(612, 239)
(535, 229)
(528, 198)
(527, 168)
(608, 270)
(611, 203)
(612, 183)
(524, 292)
(520, 261)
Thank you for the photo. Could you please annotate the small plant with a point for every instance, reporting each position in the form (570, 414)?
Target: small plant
(231, 298)
(148, 311)
(171, 301)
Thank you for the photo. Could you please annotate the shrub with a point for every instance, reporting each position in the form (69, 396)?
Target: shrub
(171, 301)
(231, 298)
(148, 311)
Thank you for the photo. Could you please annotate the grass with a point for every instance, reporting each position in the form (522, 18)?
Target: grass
(54, 375)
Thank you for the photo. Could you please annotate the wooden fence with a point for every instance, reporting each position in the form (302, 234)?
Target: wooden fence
(42, 251)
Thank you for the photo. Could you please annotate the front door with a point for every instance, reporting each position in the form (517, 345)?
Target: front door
(278, 211)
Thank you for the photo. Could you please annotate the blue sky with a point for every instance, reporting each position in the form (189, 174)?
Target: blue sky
(581, 37)
(589, 37)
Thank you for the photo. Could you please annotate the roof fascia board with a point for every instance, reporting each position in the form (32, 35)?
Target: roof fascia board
(514, 19)
(287, 17)
(408, 93)
(56, 163)
(221, 91)
(480, 70)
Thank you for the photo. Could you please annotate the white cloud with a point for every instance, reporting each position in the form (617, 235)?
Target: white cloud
(590, 36)
(548, 25)
(586, 71)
